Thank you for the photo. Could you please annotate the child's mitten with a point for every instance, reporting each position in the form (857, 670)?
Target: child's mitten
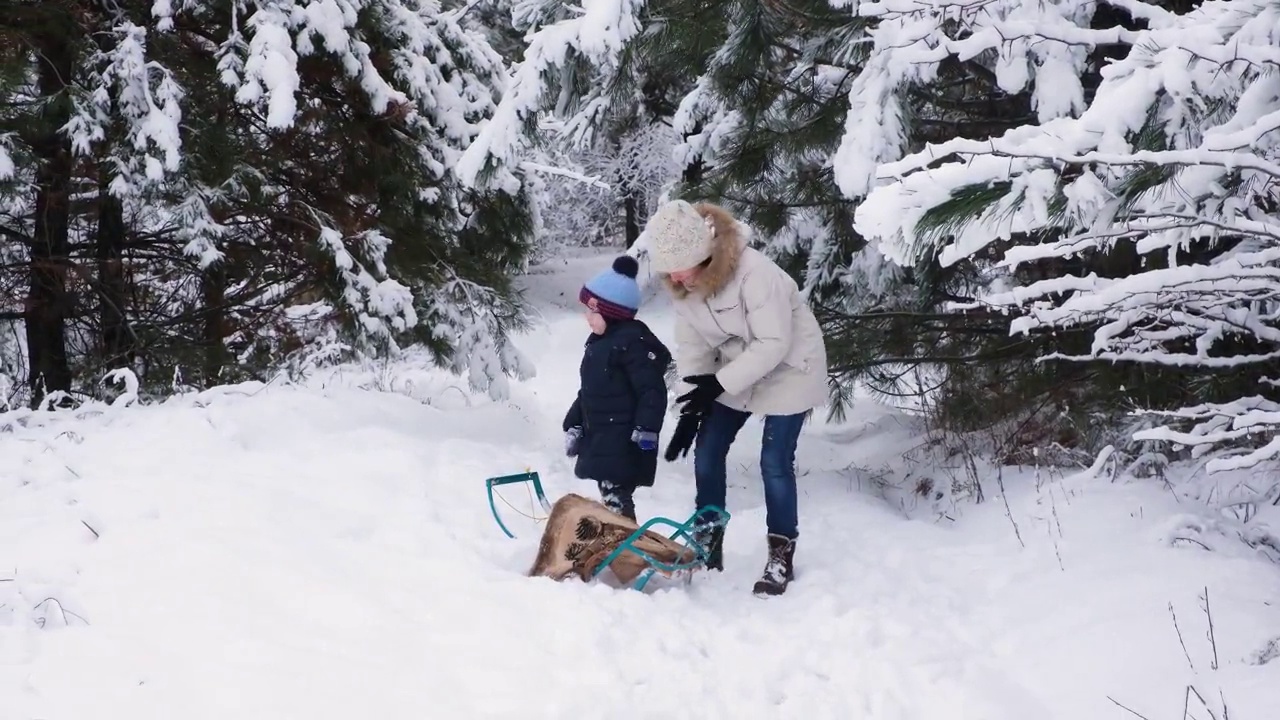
(572, 436)
(648, 441)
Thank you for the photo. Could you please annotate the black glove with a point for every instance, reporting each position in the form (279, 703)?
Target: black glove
(682, 439)
(706, 388)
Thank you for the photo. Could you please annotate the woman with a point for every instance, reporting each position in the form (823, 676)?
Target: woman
(746, 343)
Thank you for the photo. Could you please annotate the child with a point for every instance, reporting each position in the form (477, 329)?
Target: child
(613, 425)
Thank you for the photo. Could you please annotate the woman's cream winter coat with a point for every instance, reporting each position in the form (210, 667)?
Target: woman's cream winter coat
(746, 322)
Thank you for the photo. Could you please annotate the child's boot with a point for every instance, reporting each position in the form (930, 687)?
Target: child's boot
(713, 540)
(618, 500)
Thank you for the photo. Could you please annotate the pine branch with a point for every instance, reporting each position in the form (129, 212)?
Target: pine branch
(1001, 353)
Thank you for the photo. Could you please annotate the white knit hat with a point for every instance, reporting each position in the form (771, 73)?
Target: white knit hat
(679, 237)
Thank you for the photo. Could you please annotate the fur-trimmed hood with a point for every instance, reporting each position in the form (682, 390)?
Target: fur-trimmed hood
(726, 252)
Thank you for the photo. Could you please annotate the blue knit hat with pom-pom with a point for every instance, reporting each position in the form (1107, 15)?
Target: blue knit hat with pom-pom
(614, 293)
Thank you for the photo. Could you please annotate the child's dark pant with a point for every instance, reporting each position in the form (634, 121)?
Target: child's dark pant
(618, 498)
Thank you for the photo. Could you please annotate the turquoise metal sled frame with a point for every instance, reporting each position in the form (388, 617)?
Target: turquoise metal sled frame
(719, 517)
(529, 477)
(708, 517)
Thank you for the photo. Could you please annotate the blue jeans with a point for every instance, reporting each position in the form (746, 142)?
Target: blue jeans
(777, 463)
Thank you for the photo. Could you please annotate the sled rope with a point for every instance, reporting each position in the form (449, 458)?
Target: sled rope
(529, 477)
(528, 490)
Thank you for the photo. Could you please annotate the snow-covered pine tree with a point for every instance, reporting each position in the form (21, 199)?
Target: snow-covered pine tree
(41, 46)
(14, 180)
(618, 118)
(284, 172)
(594, 194)
(976, 70)
(492, 20)
(593, 95)
(367, 105)
(760, 126)
(1145, 227)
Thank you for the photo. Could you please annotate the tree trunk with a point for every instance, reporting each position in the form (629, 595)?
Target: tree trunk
(48, 302)
(213, 288)
(116, 348)
(691, 174)
(630, 204)
(117, 343)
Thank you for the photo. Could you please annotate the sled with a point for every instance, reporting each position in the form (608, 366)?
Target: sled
(682, 568)
(583, 538)
(528, 476)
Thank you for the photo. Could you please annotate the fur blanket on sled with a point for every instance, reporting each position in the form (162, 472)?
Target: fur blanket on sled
(581, 533)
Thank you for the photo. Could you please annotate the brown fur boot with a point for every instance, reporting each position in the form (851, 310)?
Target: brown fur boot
(779, 569)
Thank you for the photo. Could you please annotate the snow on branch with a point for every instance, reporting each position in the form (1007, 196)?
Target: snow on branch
(141, 92)
(598, 32)
(1156, 16)
(382, 307)
(445, 78)
(1166, 94)
(7, 167)
(706, 122)
(1218, 424)
(271, 68)
(1140, 314)
(593, 181)
(1209, 125)
(475, 321)
(1177, 157)
(452, 75)
(1204, 155)
(1043, 45)
(412, 63)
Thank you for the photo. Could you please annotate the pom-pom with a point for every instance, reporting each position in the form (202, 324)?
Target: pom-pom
(626, 265)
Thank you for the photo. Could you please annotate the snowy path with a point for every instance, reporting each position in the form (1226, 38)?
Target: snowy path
(327, 553)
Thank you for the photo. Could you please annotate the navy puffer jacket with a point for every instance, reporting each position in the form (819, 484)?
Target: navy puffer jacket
(623, 388)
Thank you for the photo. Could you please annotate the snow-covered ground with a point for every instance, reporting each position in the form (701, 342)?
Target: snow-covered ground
(327, 552)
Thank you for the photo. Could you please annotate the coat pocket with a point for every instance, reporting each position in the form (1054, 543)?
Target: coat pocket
(729, 318)
(798, 357)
